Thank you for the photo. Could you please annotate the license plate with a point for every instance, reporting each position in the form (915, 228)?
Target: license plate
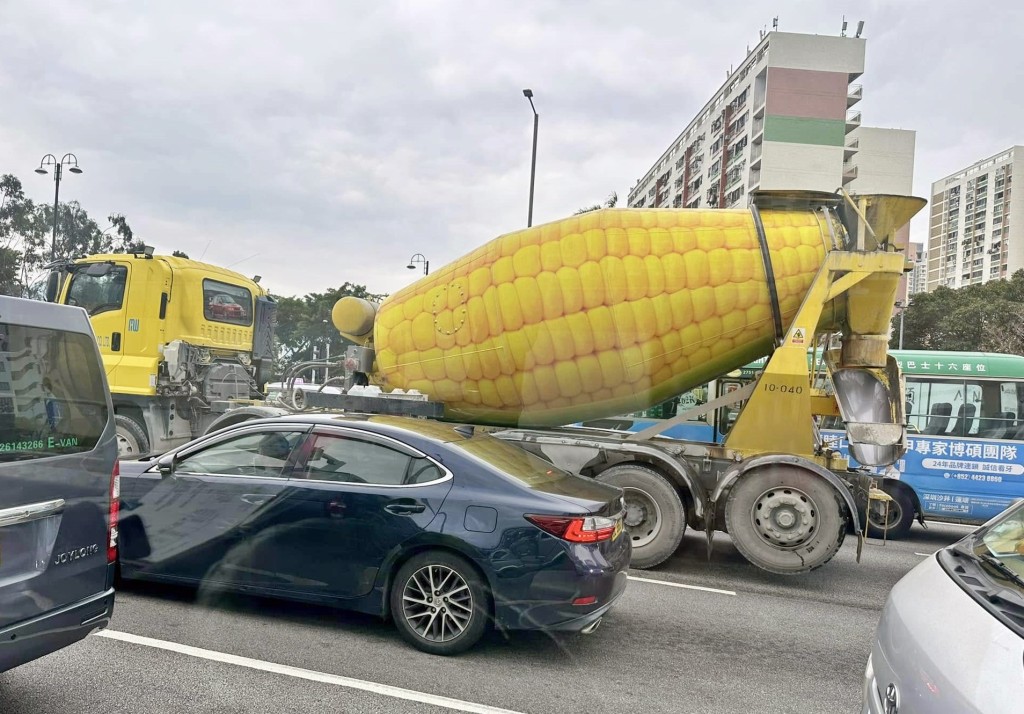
(618, 530)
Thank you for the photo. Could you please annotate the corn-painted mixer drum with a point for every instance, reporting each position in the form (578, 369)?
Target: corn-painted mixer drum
(595, 315)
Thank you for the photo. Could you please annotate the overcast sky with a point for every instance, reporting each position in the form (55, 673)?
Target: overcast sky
(316, 142)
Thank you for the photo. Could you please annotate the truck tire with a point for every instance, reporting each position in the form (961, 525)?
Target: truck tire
(655, 515)
(132, 441)
(785, 519)
(900, 516)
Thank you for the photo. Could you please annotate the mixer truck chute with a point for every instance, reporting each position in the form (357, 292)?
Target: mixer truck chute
(616, 310)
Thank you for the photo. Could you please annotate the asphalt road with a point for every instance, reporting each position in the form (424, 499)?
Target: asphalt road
(748, 642)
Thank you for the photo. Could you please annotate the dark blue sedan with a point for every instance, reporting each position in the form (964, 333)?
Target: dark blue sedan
(441, 527)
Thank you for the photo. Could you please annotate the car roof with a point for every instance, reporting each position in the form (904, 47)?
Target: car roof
(380, 424)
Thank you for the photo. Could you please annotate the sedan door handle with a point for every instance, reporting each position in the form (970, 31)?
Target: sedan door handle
(405, 507)
(256, 499)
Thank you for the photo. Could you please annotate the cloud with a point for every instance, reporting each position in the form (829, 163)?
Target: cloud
(331, 140)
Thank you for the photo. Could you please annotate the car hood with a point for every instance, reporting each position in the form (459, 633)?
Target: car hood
(943, 651)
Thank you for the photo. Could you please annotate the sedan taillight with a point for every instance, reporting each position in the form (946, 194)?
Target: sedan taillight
(589, 529)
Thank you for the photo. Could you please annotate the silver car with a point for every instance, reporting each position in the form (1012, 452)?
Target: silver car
(951, 636)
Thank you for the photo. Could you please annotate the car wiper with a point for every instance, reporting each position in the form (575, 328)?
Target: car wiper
(1003, 568)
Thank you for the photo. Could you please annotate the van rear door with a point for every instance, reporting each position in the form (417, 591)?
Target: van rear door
(57, 456)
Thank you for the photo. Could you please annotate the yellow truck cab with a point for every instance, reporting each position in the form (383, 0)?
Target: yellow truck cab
(181, 341)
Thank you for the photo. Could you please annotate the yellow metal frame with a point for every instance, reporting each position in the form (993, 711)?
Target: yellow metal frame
(778, 417)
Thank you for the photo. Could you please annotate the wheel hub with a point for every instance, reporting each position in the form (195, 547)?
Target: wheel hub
(635, 514)
(437, 603)
(642, 518)
(784, 517)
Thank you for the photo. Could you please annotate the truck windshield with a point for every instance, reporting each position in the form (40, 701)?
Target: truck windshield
(98, 293)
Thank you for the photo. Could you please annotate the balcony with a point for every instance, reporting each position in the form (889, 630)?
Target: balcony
(854, 94)
(757, 128)
(850, 149)
(849, 171)
(755, 154)
(852, 121)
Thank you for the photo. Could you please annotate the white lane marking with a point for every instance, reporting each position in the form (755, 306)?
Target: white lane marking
(298, 672)
(681, 585)
(924, 555)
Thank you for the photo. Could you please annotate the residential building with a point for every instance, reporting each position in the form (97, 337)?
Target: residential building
(918, 281)
(786, 118)
(970, 221)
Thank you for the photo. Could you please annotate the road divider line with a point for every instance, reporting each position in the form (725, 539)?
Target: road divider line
(681, 585)
(924, 555)
(307, 674)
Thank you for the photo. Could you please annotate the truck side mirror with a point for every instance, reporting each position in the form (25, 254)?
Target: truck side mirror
(166, 464)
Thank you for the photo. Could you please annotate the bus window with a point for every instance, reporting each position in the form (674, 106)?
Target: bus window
(950, 407)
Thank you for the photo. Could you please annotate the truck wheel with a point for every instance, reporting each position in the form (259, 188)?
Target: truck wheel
(785, 520)
(900, 515)
(655, 515)
(132, 441)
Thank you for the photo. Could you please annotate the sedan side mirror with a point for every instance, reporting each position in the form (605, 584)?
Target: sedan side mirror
(166, 464)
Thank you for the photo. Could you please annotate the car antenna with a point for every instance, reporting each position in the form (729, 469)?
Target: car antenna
(466, 430)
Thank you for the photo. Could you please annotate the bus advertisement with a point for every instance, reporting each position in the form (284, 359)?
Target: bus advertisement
(965, 443)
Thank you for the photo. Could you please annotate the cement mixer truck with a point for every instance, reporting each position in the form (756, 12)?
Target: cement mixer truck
(619, 309)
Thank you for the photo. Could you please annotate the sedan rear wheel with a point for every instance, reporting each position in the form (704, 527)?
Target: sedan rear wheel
(439, 603)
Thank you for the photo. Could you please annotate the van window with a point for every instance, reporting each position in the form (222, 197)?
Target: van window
(52, 399)
(226, 303)
(98, 293)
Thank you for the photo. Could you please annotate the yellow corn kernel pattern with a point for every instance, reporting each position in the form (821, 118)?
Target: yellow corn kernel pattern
(597, 314)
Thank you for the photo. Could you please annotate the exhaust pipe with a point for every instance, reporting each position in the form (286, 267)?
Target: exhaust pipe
(592, 627)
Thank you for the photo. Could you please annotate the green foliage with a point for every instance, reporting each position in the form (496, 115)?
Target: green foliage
(610, 202)
(986, 318)
(27, 243)
(305, 323)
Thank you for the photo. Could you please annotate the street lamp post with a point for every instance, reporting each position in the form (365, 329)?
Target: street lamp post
(69, 160)
(327, 350)
(902, 307)
(528, 93)
(418, 258)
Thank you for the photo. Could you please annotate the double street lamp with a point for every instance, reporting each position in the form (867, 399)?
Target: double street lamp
(528, 93)
(419, 258)
(69, 160)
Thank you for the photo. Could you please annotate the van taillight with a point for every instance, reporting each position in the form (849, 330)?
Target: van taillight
(115, 509)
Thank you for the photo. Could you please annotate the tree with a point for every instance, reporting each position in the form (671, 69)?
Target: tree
(15, 215)
(304, 324)
(27, 242)
(610, 202)
(987, 317)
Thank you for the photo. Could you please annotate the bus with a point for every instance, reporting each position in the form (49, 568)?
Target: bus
(965, 436)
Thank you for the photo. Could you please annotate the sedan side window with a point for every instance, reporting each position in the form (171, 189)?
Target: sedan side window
(350, 460)
(262, 453)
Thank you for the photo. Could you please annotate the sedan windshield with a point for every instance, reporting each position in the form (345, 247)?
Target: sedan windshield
(1004, 540)
(999, 546)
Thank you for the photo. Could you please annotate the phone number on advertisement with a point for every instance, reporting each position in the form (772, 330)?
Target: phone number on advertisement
(984, 478)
